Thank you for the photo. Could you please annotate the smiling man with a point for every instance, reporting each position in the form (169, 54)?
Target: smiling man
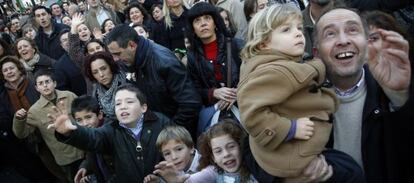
(47, 39)
(374, 121)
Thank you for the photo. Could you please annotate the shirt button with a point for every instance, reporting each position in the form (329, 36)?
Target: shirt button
(211, 61)
(376, 111)
(269, 132)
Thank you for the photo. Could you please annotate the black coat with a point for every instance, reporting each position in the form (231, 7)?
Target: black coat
(50, 45)
(117, 141)
(175, 34)
(387, 137)
(68, 76)
(202, 71)
(165, 82)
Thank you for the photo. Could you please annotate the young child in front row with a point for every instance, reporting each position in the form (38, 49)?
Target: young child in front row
(285, 105)
(177, 147)
(221, 158)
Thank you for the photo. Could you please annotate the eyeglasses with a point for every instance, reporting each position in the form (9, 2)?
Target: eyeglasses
(46, 82)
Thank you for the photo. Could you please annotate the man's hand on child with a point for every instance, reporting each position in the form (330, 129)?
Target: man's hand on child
(304, 129)
(151, 178)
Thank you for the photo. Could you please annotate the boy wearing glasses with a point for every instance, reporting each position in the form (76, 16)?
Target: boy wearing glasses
(26, 122)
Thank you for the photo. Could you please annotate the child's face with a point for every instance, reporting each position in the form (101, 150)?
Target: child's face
(288, 38)
(128, 108)
(45, 86)
(177, 152)
(88, 118)
(226, 153)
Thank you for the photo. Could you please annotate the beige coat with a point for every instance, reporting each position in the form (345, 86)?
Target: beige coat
(37, 118)
(272, 91)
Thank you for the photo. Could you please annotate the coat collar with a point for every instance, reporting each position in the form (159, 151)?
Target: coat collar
(44, 102)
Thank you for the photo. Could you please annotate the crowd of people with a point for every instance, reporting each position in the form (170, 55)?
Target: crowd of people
(223, 91)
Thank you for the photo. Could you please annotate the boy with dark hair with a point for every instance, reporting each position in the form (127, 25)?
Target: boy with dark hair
(95, 167)
(26, 122)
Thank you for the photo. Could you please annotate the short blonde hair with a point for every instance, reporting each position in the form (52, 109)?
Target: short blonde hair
(174, 132)
(263, 23)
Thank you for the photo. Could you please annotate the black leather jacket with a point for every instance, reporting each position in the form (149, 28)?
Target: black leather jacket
(166, 84)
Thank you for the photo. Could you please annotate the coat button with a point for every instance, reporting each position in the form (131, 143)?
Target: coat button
(269, 132)
(376, 111)
(211, 61)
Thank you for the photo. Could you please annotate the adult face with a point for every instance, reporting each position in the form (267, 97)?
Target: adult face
(177, 152)
(157, 14)
(135, 15)
(93, 3)
(30, 33)
(141, 31)
(65, 7)
(204, 28)
(88, 118)
(45, 86)
(125, 54)
(225, 18)
(94, 47)
(25, 50)
(15, 25)
(342, 43)
(109, 25)
(64, 41)
(226, 153)
(102, 72)
(84, 32)
(43, 18)
(174, 3)
(10, 72)
(67, 21)
(375, 38)
(128, 108)
(56, 10)
(288, 38)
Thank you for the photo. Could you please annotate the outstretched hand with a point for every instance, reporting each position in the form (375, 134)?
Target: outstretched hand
(169, 172)
(60, 120)
(390, 64)
(77, 19)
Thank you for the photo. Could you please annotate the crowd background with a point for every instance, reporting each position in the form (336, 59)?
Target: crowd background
(185, 58)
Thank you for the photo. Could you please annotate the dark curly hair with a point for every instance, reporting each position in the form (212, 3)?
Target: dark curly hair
(224, 127)
(107, 57)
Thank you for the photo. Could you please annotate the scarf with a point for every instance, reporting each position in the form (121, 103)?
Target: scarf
(17, 96)
(106, 98)
(30, 64)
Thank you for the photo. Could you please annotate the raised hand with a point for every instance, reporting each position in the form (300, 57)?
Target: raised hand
(169, 172)
(151, 178)
(60, 120)
(389, 64)
(304, 129)
(77, 19)
(21, 114)
(80, 175)
(97, 33)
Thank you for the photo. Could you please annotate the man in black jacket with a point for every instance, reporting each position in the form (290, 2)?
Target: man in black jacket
(374, 121)
(159, 75)
(47, 39)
